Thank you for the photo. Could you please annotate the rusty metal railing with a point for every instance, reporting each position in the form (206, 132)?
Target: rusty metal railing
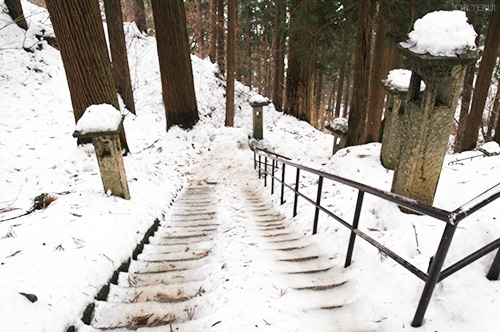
(435, 273)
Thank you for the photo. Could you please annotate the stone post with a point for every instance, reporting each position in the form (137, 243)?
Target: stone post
(428, 122)
(339, 128)
(258, 118)
(109, 157)
(394, 120)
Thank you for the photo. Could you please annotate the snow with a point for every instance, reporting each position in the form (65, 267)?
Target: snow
(66, 251)
(340, 125)
(99, 118)
(258, 99)
(441, 33)
(399, 79)
(490, 148)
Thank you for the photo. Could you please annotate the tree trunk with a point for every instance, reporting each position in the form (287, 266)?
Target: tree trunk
(80, 36)
(212, 45)
(16, 13)
(128, 13)
(347, 93)
(496, 138)
(340, 87)
(300, 78)
(200, 30)
(464, 106)
(379, 70)
(175, 63)
(318, 98)
(140, 15)
(483, 81)
(121, 71)
(231, 65)
(495, 112)
(359, 99)
(279, 57)
(220, 36)
(467, 90)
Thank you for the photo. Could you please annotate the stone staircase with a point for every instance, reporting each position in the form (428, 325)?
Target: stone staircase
(180, 282)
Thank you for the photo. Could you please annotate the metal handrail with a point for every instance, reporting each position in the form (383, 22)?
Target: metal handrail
(451, 218)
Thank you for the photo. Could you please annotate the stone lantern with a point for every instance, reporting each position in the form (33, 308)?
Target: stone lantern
(428, 121)
(339, 128)
(103, 124)
(396, 84)
(258, 102)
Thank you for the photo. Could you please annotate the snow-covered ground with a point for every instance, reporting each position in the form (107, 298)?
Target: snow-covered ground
(65, 252)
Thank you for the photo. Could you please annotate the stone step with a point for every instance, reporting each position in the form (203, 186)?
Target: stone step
(194, 247)
(154, 267)
(126, 279)
(156, 293)
(112, 315)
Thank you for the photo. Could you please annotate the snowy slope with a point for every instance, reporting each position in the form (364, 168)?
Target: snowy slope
(67, 251)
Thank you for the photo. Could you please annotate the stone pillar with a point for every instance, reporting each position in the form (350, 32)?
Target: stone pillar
(394, 120)
(428, 122)
(109, 157)
(258, 118)
(339, 128)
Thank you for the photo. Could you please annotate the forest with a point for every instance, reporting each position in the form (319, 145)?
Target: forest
(318, 60)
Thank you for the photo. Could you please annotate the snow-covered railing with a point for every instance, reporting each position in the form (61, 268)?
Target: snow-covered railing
(435, 273)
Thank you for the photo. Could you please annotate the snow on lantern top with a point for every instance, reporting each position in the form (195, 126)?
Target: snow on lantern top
(99, 118)
(339, 125)
(399, 80)
(441, 33)
(258, 100)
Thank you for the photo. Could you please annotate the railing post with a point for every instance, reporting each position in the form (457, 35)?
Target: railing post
(265, 171)
(495, 268)
(355, 223)
(254, 159)
(434, 273)
(272, 177)
(282, 183)
(318, 202)
(260, 167)
(297, 177)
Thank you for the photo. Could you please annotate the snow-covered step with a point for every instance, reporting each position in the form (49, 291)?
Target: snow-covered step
(158, 293)
(166, 248)
(199, 238)
(174, 256)
(110, 315)
(152, 267)
(304, 265)
(169, 277)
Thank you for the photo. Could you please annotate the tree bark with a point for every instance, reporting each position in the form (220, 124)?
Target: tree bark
(16, 13)
(340, 87)
(464, 106)
(483, 81)
(279, 57)
(80, 36)
(495, 113)
(380, 66)
(128, 13)
(121, 70)
(212, 45)
(467, 90)
(300, 78)
(220, 36)
(140, 15)
(231, 65)
(176, 72)
(200, 31)
(359, 99)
